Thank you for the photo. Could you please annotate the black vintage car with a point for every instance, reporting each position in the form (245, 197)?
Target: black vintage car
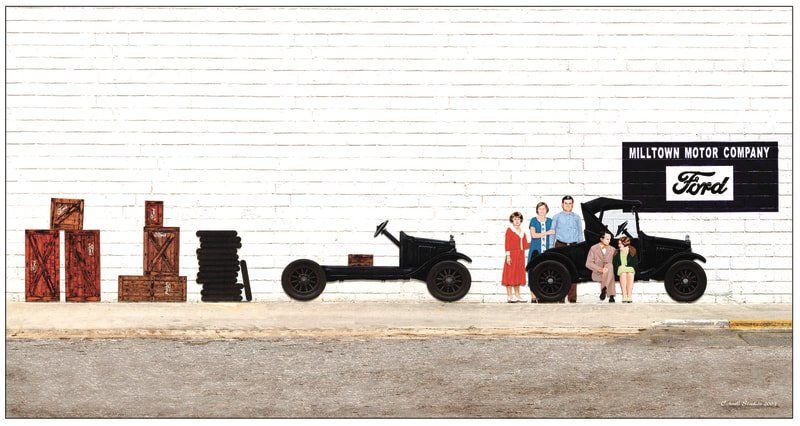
(551, 273)
(432, 261)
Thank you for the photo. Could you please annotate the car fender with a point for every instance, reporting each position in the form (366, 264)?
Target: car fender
(558, 257)
(662, 269)
(422, 272)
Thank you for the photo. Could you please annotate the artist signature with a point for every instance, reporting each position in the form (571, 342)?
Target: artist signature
(749, 404)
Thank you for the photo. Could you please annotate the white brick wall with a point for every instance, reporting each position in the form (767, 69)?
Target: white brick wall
(303, 128)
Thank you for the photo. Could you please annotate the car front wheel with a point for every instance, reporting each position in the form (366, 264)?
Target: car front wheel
(685, 281)
(303, 280)
(449, 281)
(550, 281)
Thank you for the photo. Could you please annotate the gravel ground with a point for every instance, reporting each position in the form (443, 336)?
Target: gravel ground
(655, 373)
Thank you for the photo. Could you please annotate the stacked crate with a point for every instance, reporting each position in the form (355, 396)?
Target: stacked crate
(82, 256)
(161, 281)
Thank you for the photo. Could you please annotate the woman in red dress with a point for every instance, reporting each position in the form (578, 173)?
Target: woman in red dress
(514, 268)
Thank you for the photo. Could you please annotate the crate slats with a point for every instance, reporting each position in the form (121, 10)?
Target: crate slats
(161, 250)
(154, 213)
(42, 264)
(82, 265)
(151, 288)
(66, 214)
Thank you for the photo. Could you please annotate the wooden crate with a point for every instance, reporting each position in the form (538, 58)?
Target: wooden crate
(82, 266)
(149, 288)
(169, 289)
(66, 214)
(135, 288)
(42, 281)
(154, 213)
(359, 260)
(161, 251)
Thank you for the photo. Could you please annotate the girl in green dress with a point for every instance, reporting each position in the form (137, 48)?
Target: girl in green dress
(625, 264)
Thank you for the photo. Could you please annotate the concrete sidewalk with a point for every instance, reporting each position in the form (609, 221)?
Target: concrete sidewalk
(243, 320)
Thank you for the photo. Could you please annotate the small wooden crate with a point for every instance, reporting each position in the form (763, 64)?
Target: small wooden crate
(169, 289)
(42, 264)
(154, 213)
(359, 260)
(147, 288)
(66, 214)
(161, 250)
(82, 265)
(134, 288)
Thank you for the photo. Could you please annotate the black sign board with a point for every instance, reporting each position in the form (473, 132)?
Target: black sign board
(701, 176)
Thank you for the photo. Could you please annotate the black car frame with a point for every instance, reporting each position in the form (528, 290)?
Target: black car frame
(434, 261)
(551, 273)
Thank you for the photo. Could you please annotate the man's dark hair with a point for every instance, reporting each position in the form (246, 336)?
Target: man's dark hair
(566, 198)
(606, 233)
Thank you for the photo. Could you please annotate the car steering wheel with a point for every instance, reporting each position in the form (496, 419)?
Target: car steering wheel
(380, 228)
(622, 228)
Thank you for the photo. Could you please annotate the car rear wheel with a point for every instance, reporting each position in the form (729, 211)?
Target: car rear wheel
(449, 281)
(685, 281)
(550, 281)
(303, 280)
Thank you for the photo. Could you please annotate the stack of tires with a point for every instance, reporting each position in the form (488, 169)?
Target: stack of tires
(219, 267)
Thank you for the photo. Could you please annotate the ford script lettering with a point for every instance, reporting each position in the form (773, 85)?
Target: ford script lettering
(699, 183)
(689, 182)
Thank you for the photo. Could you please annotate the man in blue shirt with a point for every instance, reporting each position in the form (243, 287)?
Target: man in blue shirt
(569, 231)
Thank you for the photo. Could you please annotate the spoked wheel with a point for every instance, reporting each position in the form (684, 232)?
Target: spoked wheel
(685, 281)
(303, 280)
(449, 281)
(550, 281)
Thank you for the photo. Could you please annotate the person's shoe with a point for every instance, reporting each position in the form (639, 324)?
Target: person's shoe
(603, 294)
(512, 301)
(534, 300)
(610, 299)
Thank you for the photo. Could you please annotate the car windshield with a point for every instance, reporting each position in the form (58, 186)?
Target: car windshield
(620, 222)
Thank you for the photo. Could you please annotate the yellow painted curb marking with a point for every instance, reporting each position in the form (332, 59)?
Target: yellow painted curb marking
(760, 324)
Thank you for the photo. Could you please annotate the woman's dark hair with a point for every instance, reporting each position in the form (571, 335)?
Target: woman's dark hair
(513, 215)
(540, 204)
(627, 243)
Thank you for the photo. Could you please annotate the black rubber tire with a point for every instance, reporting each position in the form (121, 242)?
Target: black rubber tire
(221, 246)
(449, 281)
(214, 269)
(685, 281)
(217, 251)
(204, 259)
(217, 275)
(216, 281)
(208, 293)
(550, 281)
(221, 299)
(246, 280)
(210, 264)
(222, 288)
(303, 280)
(216, 234)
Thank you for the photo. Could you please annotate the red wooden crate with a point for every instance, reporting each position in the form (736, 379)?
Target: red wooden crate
(154, 213)
(359, 260)
(151, 288)
(135, 288)
(169, 289)
(66, 214)
(161, 251)
(42, 265)
(82, 265)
